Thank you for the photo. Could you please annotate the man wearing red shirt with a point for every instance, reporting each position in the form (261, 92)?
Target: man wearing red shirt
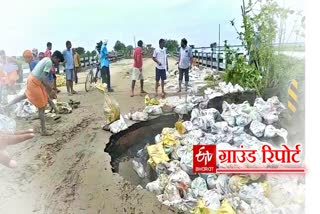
(137, 68)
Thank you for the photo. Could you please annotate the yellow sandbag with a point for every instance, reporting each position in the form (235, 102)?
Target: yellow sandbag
(168, 140)
(150, 102)
(167, 130)
(61, 80)
(237, 181)
(111, 109)
(266, 188)
(202, 209)
(156, 154)
(101, 87)
(225, 208)
(180, 127)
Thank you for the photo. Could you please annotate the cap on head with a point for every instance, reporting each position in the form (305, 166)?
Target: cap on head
(105, 41)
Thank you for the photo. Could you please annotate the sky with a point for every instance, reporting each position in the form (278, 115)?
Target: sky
(28, 24)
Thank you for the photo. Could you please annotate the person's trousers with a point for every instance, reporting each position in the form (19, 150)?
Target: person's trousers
(76, 71)
(105, 75)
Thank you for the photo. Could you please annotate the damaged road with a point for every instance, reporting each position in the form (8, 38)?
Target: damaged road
(69, 172)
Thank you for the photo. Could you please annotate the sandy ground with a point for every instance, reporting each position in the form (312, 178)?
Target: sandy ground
(69, 172)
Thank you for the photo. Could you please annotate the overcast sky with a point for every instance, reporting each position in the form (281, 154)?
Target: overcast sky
(28, 24)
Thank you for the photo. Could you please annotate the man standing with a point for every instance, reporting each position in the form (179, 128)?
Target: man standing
(47, 53)
(28, 58)
(37, 86)
(104, 65)
(76, 59)
(69, 68)
(160, 57)
(41, 56)
(35, 53)
(185, 62)
(137, 68)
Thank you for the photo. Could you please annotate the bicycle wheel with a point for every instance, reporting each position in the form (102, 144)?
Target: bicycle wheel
(89, 80)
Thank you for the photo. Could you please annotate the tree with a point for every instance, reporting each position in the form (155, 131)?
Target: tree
(171, 45)
(93, 53)
(119, 46)
(80, 50)
(129, 50)
(88, 54)
(130, 47)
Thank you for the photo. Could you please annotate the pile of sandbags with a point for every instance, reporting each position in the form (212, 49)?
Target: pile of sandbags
(172, 154)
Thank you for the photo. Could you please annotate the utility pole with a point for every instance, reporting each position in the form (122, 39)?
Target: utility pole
(218, 55)
(134, 41)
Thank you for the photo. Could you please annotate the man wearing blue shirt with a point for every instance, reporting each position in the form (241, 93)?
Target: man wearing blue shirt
(104, 65)
(69, 68)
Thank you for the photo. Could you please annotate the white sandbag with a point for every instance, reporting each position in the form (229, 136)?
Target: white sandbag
(244, 107)
(138, 168)
(238, 88)
(186, 163)
(25, 109)
(257, 128)
(271, 118)
(171, 192)
(270, 131)
(184, 108)
(228, 114)
(255, 115)
(250, 192)
(179, 176)
(222, 184)
(199, 187)
(188, 125)
(118, 125)
(139, 116)
(203, 122)
(153, 110)
(262, 205)
(195, 114)
(212, 200)
(157, 138)
(154, 187)
(243, 119)
(211, 181)
(239, 205)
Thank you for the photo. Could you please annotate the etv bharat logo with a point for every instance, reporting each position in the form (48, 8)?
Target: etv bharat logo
(204, 159)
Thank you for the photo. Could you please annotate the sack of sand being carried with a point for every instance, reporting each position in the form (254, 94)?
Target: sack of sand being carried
(111, 109)
(61, 80)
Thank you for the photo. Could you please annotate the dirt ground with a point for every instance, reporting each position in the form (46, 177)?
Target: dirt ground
(69, 172)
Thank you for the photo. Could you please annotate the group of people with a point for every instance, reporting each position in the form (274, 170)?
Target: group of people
(160, 57)
(41, 83)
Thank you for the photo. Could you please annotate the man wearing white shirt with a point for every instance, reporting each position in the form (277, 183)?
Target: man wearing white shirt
(160, 57)
(185, 63)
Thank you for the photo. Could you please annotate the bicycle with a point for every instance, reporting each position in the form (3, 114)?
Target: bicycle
(91, 78)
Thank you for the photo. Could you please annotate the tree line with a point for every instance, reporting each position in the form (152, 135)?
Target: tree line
(125, 50)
